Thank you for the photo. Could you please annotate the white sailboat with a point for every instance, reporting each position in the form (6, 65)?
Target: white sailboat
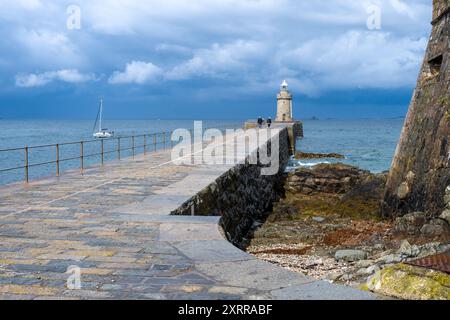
(101, 133)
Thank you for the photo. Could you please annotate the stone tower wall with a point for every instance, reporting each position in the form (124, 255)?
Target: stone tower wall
(439, 7)
(284, 107)
(420, 171)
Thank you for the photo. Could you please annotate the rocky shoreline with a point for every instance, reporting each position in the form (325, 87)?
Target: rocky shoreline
(303, 155)
(329, 226)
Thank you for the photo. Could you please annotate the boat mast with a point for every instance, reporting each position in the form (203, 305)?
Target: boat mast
(101, 115)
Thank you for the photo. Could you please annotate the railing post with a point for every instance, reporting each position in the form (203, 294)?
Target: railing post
(133, 145)
(154, 142)
(118, 148)
(26, 165)
(82, 156)
(171, 141)
(164, 140)
(57, 160)
(103, 152)
(145, 144)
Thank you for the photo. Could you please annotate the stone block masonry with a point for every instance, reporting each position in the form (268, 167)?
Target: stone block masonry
(420, 171)
(242, 196)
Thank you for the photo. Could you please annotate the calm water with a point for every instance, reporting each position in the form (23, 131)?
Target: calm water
(369, 144)
(20, 133)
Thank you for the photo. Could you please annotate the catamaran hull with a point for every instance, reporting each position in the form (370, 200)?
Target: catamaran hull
(102, 135)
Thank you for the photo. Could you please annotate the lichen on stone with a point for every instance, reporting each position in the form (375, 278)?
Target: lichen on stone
(412, 283)
(443, 101)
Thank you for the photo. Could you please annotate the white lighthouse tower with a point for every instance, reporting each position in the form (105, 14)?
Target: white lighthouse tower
(284, 104)
(284, 118)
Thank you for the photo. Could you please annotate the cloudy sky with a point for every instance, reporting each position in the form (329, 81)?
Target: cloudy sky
(198, 59)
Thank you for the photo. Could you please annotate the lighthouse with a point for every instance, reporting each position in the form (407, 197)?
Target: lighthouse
(283, 119)
(284, 104)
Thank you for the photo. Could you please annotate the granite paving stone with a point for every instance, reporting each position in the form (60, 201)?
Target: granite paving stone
(114, 223)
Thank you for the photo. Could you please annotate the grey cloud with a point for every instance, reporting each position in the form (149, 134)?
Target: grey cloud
(318, 45)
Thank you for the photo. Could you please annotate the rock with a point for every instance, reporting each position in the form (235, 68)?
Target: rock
(364, 263)
(332, 277)
(379, 246)
(415, 251)
(443, 248)
(373, 269)
(350, 255)
(405, 248)
(447, 195)
(368, 271)
(318, 219)
(303, 155)
(435, 227)
(403, 190)
(390, 259)
(410, 177)
(410, 223)
(362, 272)
(346, 277)
(313, 263)
(446, 215)
(412, 283)
(429, 249)
(329, 178)
(383, 254)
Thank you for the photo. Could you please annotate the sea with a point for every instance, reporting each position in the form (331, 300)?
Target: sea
(367, 143)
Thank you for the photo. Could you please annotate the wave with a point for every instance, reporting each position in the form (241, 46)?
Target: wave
(295, 164)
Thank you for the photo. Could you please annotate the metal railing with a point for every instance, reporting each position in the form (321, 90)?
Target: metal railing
(112, 147)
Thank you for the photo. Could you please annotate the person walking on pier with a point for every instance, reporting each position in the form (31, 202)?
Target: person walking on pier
(269, 122)
(260, 122)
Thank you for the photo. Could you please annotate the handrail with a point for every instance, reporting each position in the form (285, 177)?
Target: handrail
(132, 147)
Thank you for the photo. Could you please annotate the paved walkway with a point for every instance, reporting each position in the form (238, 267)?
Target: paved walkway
(113, 222)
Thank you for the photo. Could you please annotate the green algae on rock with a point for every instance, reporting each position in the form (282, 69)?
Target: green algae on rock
(411, 283)
(304, 155)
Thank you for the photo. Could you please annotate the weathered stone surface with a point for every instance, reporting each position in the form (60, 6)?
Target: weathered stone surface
(350, 255)
(435, 227)
(252, 274)
(303, 155)
(333, 178)
(408, 282)
(407, 250)
(242, 196)
(313, 291)
(420, 171)
(417, 223)
(411, 223)
(446, 215)
(318, 219)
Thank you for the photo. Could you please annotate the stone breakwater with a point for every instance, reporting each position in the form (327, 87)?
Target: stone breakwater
(114, 223)
(242, 196)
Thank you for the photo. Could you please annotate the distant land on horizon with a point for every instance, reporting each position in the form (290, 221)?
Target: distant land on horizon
(197, 119)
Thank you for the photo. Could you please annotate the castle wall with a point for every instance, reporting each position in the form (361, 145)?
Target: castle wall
(420, 171)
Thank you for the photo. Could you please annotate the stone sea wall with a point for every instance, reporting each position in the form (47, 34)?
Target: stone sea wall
(242, 196)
